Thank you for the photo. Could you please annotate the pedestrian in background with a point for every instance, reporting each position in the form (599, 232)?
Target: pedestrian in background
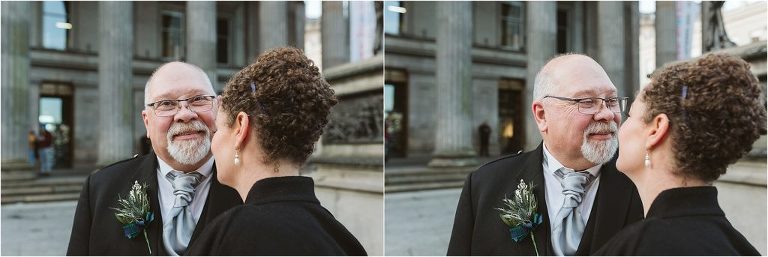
(485, 136)
(32, 142)
(45, 148)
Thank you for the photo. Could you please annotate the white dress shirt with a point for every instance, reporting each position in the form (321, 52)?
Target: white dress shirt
(166, 190)
(554, 190)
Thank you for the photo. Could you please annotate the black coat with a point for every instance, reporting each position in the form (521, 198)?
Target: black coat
(281, 216)
(95, 230)
(681, 221)
(478, 230)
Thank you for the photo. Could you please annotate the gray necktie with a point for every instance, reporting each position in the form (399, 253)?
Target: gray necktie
(178, 231)
(568, 224)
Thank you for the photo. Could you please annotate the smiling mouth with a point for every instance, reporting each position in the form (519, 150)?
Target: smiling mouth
(602, 135)
(188, 135)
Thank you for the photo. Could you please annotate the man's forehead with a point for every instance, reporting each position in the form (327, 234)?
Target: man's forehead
(176, 79)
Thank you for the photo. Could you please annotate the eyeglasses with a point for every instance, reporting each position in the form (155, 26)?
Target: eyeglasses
(198, 103)
(592, 105)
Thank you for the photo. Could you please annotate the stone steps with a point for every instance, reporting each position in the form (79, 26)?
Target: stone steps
(23, 188)
(423, 178)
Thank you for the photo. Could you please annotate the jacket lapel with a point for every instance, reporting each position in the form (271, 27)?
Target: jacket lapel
(534, 173)
(148, 174)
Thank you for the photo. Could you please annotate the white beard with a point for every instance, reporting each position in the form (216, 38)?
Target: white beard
(188, 152)
(602, 151)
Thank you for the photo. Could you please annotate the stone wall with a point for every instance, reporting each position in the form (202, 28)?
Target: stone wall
(348, 162)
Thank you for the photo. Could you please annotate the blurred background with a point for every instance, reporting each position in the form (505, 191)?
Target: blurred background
(453, 104)
(80, 75)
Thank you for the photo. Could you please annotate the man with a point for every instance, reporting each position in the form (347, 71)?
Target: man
(485, 136)
(183, 191)
(577, 113)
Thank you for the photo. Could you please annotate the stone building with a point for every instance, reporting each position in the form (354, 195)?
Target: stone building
(81, 67)
(87, 63)
(450, 66)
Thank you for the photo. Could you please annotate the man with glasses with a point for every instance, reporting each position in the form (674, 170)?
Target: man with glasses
(581, 197)
(182, 189)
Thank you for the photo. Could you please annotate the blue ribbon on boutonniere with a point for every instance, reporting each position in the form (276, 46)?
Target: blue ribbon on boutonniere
(132, 230)
(521, 231)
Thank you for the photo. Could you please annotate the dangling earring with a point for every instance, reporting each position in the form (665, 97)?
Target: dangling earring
(647, 160)
(237, 158)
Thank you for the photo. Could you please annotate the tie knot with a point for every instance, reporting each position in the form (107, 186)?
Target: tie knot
(184, 186)
(574, 184)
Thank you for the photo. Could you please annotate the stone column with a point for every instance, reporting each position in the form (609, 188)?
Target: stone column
(666, 28)
(611, 53)
(299, 18)
(334, 27)
(201, 37)
(115, 81)
(273, 30)
(541, 45)
(453, 137)
(15, 84)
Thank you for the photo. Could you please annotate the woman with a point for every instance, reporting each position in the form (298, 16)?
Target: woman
(684, 129)
(270, 116)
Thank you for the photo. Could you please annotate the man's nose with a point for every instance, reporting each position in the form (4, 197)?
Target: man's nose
(604, 113)
(185, 114)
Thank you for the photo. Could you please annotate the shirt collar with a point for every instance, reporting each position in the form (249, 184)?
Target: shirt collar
(204, 169)
(554, 165)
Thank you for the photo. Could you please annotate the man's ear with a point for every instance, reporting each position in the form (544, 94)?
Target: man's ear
(539, 115)
(242, 129)
(658, 131)
(146, 120)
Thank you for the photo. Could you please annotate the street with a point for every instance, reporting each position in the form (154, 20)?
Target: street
(36, 228)
(420, 222)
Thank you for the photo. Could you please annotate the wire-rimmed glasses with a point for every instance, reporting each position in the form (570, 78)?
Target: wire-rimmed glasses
(197, 104)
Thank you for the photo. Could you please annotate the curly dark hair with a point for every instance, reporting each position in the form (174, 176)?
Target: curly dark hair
(715, 112)
(288, 102)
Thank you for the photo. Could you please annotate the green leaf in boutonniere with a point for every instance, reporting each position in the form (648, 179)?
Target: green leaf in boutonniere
(519, 213)
(133, 212)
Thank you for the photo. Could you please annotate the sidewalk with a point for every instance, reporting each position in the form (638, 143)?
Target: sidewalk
(36, 228)
(419, 223)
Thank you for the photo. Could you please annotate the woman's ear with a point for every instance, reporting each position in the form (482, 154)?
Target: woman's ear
(658, 131)
(242, 129)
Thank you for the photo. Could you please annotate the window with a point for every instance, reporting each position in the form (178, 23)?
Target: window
(512, 25)
(393, 15)
(222, 41)
(173, 34)
(56, 24)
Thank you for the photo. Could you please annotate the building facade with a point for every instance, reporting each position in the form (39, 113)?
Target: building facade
(507, 43)
(79, 68)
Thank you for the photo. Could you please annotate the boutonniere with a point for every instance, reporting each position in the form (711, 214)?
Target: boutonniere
(519, 213)
(134, 212)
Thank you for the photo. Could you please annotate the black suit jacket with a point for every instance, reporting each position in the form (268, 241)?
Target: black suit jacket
(681, 221)
(95, 230)
(281, 217)
(478, 230)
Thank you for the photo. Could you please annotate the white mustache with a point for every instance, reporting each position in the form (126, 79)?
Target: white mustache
(602, 128)
(178, 128)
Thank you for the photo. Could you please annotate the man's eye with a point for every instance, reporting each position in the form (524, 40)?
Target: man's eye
(587, 102)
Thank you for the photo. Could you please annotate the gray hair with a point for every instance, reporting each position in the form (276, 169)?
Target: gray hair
(542, 84)
(147, 85)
